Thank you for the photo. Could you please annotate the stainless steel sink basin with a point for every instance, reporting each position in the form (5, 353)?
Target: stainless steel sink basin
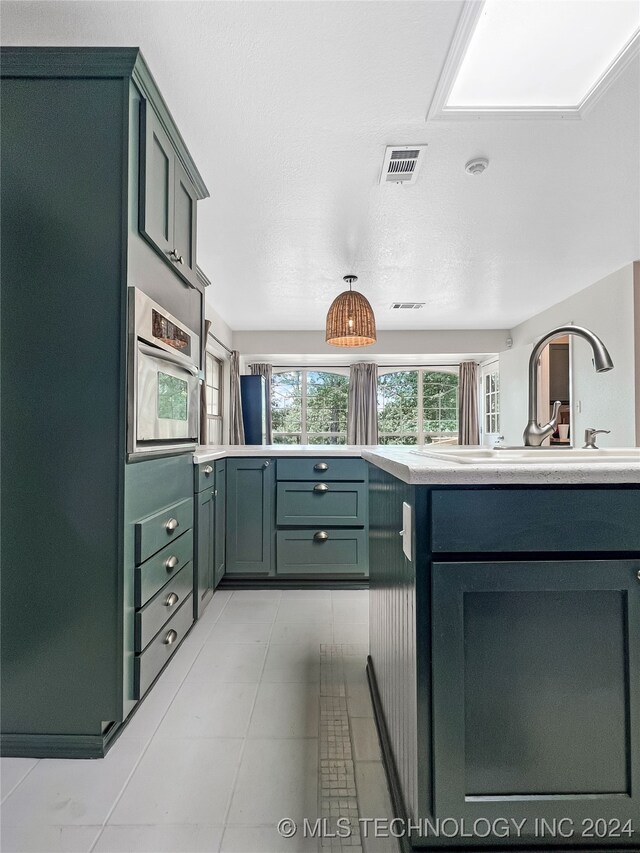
(531, 455)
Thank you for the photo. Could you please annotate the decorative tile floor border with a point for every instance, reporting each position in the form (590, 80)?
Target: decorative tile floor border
(337, 785)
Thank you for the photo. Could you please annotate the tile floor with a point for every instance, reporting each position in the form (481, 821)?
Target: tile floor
(227, 743)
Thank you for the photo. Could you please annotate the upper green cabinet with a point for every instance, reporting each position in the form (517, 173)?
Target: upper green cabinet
(168, 199)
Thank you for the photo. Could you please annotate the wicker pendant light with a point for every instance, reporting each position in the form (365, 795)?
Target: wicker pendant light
(350, 321)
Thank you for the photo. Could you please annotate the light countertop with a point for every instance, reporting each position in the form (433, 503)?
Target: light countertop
(412, 468)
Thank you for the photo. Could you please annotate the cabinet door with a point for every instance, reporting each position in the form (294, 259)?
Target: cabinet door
(157, 182)
(221, 514)
(205, 549)
(184, 223)
(536, 692)
(250, 523)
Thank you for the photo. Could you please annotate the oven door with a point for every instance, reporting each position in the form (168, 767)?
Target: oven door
(168, 393)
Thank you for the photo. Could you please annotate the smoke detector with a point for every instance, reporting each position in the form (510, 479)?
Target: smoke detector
(476, 166)
(401, 164)
(410, 305)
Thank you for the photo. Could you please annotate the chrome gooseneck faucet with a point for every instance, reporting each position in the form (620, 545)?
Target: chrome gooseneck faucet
(534, 434)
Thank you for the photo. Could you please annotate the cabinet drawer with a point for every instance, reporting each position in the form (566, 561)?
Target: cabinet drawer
(159, 651)
(327, 504)
(305, 552)
(162, 606)
(322, 468)
(157, 530)
(205, 475)
(499, 520)
(154, 574)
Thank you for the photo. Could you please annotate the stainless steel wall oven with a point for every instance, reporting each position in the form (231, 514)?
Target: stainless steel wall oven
(164, 378)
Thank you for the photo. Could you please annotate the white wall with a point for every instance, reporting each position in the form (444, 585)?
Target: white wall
(600, 400)
(413, 346)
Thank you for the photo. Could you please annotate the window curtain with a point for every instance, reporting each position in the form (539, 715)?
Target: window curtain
(263, 369)
(236, 427)
(204, 420)
(362, 423)
(468, 422)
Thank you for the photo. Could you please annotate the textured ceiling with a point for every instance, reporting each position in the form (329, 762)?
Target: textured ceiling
(287, 108)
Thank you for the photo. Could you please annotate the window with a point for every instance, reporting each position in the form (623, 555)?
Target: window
(213, 380)
(418, 407)
(491, 399)
(309, 407)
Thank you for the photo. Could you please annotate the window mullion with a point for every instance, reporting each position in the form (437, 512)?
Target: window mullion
(304, 438)
(420, 407)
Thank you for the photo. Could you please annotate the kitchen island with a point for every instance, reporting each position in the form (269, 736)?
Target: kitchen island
(505, 649)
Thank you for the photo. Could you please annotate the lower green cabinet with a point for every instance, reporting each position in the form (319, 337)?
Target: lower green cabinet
(250, 517)
(219, 549)
(536, 689)
(210, 485)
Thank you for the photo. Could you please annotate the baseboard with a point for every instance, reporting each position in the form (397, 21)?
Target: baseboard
(263, 582)
(55, 746)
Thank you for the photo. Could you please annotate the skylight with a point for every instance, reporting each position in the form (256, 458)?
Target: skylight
(537, 55)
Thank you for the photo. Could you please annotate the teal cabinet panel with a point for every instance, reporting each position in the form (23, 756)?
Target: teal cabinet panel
(185, 221)
(162, 528)
(528, 519)
(335, 552)
(328, 504)
(250, 518)
(168, 199)
(221, 521)
(205, 475)
(205, 552)
(320, 468)
(153, 574)
(162, 606)
(536, 690)
(157, 179)
(161, 649)
(62, 221)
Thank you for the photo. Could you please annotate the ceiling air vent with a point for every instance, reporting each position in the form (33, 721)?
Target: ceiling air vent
(402, 164)
(411, 305)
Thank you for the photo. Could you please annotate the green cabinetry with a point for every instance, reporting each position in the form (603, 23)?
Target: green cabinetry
(71, 246)
(250, 515)
(210, 484)
(168, 198)
(505, 659)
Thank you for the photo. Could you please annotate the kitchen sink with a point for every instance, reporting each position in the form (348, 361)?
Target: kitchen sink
(531, 455)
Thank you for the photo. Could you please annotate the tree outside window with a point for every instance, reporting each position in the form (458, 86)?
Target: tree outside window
(309, 407)
(418, 407)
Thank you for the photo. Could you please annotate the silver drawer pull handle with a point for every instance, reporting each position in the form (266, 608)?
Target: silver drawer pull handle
(266, 463)
(207, 470)
(321, 466)
(321, 536)
(321, 487)
(171, 637)
(175, 257)
(171, 525)
(171, 599)
(171, 562)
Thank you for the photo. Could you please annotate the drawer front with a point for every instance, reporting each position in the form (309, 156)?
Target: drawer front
(205, 475)
(154, 574)
(307, 552)
(322, 504)
(493, 520)
(159, 651)
(322, 468)
(157, 530)
(162, 606)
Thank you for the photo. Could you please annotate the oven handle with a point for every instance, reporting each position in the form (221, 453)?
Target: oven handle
(154, 352)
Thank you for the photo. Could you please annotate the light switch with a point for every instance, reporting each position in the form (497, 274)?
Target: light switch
(406, 530)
